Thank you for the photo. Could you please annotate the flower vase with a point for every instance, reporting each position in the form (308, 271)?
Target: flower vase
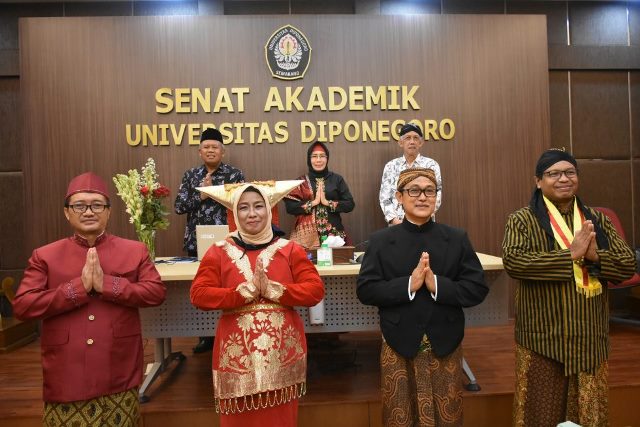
(148, 237)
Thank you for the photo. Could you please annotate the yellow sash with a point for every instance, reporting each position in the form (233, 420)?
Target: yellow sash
(585, 284)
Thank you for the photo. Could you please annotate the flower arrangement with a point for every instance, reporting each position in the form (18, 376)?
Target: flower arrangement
(142, 195)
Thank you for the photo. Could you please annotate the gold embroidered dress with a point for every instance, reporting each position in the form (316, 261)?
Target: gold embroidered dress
(259, 355)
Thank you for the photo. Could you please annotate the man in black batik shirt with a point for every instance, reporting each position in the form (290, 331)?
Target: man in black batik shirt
(200, 208)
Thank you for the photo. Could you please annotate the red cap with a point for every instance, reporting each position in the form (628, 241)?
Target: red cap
(88, 182)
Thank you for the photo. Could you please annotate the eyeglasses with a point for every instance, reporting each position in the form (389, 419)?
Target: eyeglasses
(569, 173)
(82, 208)
(415, 192)
(318, 156)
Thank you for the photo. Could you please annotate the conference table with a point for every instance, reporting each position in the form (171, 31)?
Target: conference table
(343, 312)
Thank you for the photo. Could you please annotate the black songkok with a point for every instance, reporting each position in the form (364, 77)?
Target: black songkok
(410, 127)
(211, 134)
(551, 157)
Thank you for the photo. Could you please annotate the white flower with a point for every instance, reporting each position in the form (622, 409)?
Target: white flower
(143, 204)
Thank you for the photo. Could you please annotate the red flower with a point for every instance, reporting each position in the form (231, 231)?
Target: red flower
(160, 192)
(144, 190)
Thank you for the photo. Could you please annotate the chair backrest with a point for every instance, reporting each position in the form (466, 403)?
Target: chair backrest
(614, 220)
(635, 280)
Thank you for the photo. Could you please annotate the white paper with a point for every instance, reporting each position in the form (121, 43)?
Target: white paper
(334, 241)
(316, 313)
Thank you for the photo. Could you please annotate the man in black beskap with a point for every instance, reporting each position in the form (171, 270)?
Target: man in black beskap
(420, 274)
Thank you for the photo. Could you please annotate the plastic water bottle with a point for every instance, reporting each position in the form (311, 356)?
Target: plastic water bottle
(324, 255)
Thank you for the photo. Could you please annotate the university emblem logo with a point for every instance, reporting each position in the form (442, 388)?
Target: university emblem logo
(288, 53)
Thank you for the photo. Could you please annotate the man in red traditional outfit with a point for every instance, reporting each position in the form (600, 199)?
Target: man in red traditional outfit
(87, 288)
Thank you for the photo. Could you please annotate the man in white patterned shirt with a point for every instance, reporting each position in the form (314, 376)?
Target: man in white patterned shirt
(411, 140)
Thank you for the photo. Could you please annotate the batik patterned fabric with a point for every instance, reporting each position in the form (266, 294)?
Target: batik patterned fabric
(424, 391)
(552, 318)
(388, 186)
(545, 396)
(202, 212)
(115, 410)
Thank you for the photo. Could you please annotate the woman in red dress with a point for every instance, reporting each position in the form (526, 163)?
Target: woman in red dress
(256, 278)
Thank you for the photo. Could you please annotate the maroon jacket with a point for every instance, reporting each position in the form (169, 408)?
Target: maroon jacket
(91, 343)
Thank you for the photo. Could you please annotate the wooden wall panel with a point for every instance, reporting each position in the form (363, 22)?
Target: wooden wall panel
(256, 7)
(10, 147)
(367, 7)
(598, 23)
(106, 8)
(608, 183)
(12, 237)
(473, 6)
(555, 11)
(9, 14)
(306, 7)
(559, 108)
(600, 114)
(210, 7)
(636, 202)
(634, 23)
(634, 92)
(494, 87)
(155, 8)
(397, 7)
(591, 58)
(13, 252)
(9, 63)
